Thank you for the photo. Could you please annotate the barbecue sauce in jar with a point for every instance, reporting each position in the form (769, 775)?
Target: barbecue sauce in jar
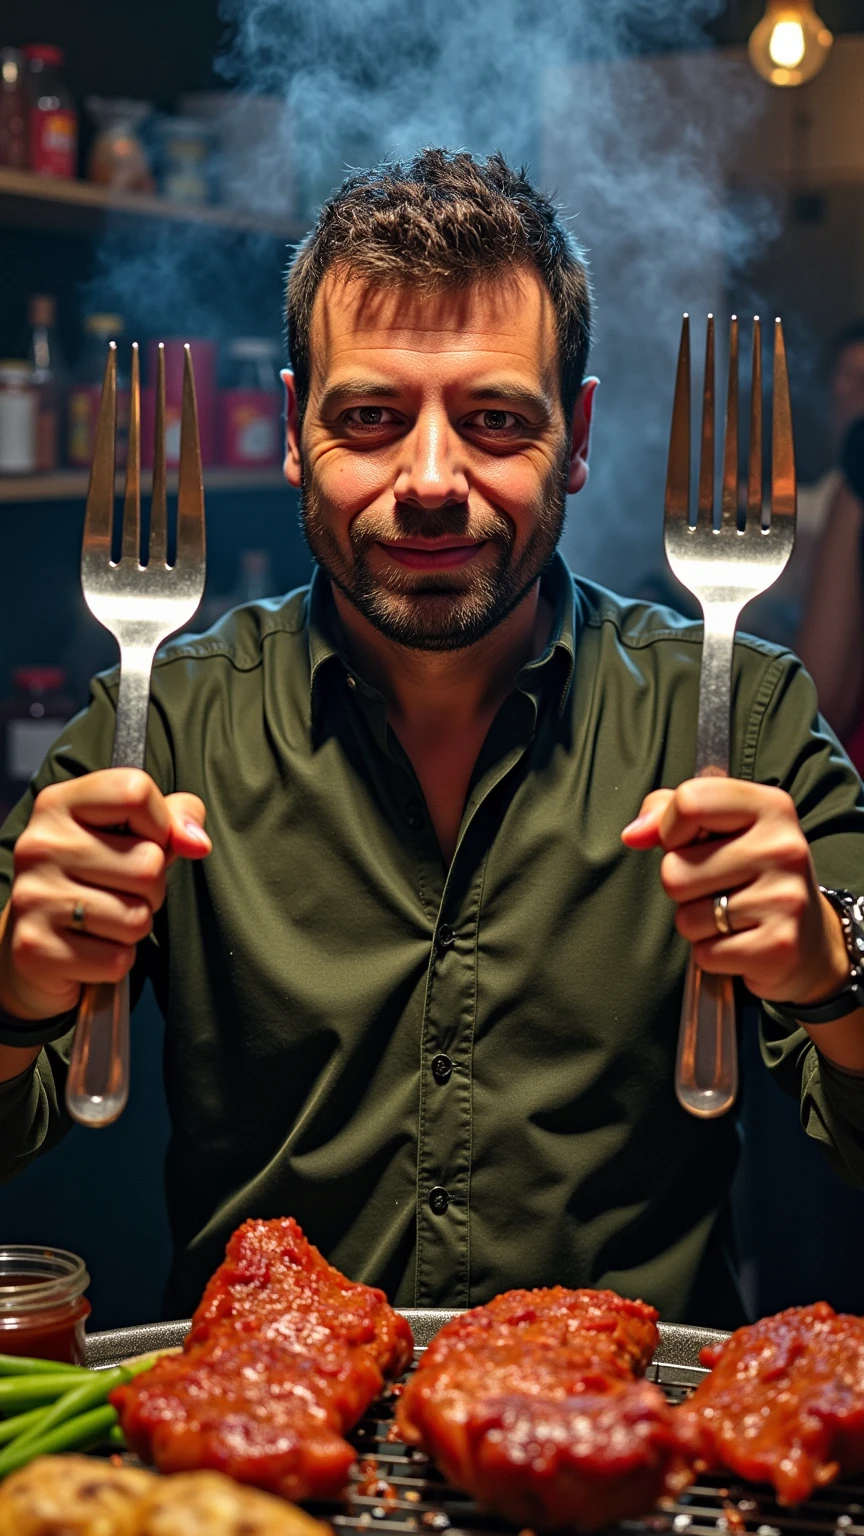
(42, 1304)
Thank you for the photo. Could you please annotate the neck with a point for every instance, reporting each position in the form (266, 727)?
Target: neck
(447, 691)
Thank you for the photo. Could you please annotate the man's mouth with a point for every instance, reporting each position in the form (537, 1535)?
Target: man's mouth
(434, 555)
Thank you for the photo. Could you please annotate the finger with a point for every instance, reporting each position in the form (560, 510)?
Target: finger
(111, 797)
(60, 960)
(186, 815)
(715, 805)
(108, 861)
(644, 831)
(696, 922)
(703, 869)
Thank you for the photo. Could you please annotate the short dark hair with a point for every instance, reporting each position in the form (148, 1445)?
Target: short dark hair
(443, 220)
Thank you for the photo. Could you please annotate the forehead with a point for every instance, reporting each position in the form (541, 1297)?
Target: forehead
(505, 321)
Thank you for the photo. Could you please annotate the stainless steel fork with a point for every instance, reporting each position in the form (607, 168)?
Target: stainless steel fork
(140, 605)
(724, 567)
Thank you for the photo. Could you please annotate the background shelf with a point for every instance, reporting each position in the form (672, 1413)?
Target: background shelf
(71, 484)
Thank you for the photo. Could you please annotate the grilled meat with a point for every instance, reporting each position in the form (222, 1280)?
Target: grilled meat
(784, 1403)
(533, 1405)
(283, 1356)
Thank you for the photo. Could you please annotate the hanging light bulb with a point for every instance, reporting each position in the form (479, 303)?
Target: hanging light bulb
(790, 44)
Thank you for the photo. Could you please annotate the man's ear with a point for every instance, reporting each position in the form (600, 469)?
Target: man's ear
(580, 435)
(292, 466)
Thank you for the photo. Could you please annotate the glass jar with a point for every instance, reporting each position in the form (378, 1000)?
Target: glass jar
(53, 120)
(118, 157)
(42, 1303)
(185, 159)
(19, 406)
(13, 110)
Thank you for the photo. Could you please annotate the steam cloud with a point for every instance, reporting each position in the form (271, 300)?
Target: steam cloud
(634, 149)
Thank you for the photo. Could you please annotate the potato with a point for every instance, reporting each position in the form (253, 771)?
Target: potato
(72, 1496)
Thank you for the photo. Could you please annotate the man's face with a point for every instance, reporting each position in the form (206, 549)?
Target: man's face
(434, 459)
(847, 386)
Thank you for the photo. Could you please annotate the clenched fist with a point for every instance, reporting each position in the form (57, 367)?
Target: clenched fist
(90, 871)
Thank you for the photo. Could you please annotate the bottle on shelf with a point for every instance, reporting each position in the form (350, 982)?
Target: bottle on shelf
(49, 379)
(14, 105)
(19, 403)
(250, 404)
(30, 721)
(52, 118)
(85, 392)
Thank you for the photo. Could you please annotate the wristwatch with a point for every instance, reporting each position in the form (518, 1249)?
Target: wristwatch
(850, 910)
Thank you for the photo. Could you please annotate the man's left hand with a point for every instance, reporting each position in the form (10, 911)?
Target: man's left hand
(728, 836)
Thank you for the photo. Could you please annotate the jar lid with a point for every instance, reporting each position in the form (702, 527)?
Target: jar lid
(253, 348)
(36, 1279)
(14, 370)
(44, 53)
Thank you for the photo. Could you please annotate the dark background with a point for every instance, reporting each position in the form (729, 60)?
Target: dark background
(99, 1193)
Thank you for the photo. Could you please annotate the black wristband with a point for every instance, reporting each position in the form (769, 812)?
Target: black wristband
(24, 1033)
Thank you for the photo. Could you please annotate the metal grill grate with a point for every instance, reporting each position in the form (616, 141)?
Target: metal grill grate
(397, 1490)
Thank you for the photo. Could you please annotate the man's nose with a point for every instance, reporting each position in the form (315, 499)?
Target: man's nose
(433, 470)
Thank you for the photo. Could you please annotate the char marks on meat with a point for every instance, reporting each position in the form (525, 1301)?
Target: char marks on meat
(784, 1403)
(533, 1404)
(283, 1357)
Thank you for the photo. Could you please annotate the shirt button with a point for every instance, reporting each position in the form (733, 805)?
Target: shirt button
(438, 1200)
(442, 1067)
(414, 815)
(446, 936)
(351, 681)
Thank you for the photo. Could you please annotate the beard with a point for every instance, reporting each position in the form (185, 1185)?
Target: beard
(437, 610)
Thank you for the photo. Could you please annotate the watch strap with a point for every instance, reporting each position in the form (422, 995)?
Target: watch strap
(24, 1033)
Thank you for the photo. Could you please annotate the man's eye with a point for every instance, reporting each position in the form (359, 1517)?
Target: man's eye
(369, 416)
(498, 422)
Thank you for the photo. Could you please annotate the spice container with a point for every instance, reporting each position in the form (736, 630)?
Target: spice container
(42, 1303)
(13, 110)
(118, 157)
(250, 405)
(19, 406)
(48, 378)
(52, 119)
(185, 160)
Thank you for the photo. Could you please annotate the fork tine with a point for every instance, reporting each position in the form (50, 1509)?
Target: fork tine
(705, 503)
(99, 516)
(754, 462)
(678, 469)
(159, 503)
(190, 490)
(131, 545)
(783, 498)
(729, 494)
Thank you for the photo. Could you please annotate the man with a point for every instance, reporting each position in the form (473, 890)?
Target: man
(420, 992)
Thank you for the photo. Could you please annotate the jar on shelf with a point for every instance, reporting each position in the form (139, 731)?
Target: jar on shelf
(185, 160)
(250, 404)
(85, 392)
(14, 104)
(117, 157)
(19, 412)
(43, 1308)
(52, 118)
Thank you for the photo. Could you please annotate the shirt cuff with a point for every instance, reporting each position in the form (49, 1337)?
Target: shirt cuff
(24, 1033)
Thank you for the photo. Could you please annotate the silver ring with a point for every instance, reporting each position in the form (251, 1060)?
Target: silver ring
(79, 913)
(721, 915)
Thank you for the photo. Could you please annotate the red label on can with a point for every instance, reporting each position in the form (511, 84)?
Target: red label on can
(53, 142)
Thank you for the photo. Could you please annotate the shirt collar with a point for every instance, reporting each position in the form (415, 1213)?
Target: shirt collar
(551, 673)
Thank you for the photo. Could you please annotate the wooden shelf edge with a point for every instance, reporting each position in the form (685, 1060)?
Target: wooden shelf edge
(71, 484)
(95, 201)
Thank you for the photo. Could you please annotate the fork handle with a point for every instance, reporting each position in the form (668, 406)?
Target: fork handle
(97, 1084)
(706, 1068)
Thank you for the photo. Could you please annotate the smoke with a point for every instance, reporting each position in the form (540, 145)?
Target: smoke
(635, 147)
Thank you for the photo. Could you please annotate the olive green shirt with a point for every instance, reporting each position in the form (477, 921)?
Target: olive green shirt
(457, 1080)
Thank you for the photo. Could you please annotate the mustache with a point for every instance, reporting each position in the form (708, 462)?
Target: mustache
(453, 520)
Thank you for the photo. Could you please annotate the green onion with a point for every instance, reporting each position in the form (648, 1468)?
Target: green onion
(11, 1428)
(23, 1365)
(78, 1434)
(78, 1400)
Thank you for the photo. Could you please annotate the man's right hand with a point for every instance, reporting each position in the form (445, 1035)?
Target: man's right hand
(71, 853)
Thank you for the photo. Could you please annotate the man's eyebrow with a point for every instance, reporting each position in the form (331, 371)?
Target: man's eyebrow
(369, 389)
(514, 394)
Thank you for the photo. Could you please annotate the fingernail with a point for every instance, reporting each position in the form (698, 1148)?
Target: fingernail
(641, 821)
(195, 831)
